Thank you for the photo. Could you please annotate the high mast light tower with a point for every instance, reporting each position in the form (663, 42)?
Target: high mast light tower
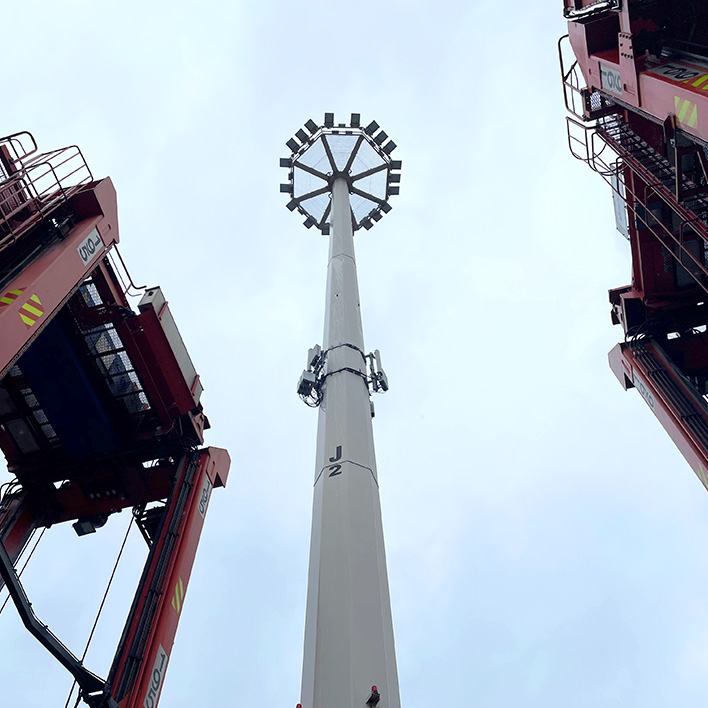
(340, 179)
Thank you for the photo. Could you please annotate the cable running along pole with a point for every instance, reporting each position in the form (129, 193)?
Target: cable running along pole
(340, 179)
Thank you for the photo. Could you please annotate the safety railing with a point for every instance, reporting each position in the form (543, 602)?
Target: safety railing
(34, 184)
(609, 147)
(573, 9)
(123, 276)
(582, 102)
(15, 148)
(586, 145)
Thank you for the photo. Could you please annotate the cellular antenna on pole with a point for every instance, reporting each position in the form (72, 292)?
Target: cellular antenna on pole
(340, 179)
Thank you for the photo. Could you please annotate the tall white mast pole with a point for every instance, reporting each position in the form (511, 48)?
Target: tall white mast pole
(349, 646)
(348, 628)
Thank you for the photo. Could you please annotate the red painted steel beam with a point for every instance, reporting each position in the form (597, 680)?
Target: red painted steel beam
(631, 373)
(157, 364)
(17, 523)
(139, 668)
(604, 48)
(138, 486)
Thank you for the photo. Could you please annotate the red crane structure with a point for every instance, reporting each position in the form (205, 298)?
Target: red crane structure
(635, 77)
(99, 408)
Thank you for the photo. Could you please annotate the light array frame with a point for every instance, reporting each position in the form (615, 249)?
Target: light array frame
(373, 136)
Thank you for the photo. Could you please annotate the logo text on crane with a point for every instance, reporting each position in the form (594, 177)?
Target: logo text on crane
(157, 678)
(90, 246)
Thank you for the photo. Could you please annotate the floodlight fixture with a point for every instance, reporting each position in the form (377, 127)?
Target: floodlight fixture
(350, 152)
(388, 148)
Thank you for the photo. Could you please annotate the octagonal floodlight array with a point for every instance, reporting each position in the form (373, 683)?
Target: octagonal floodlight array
(321, 154)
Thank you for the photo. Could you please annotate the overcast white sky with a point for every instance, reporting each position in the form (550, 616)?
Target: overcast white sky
(546, 542)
